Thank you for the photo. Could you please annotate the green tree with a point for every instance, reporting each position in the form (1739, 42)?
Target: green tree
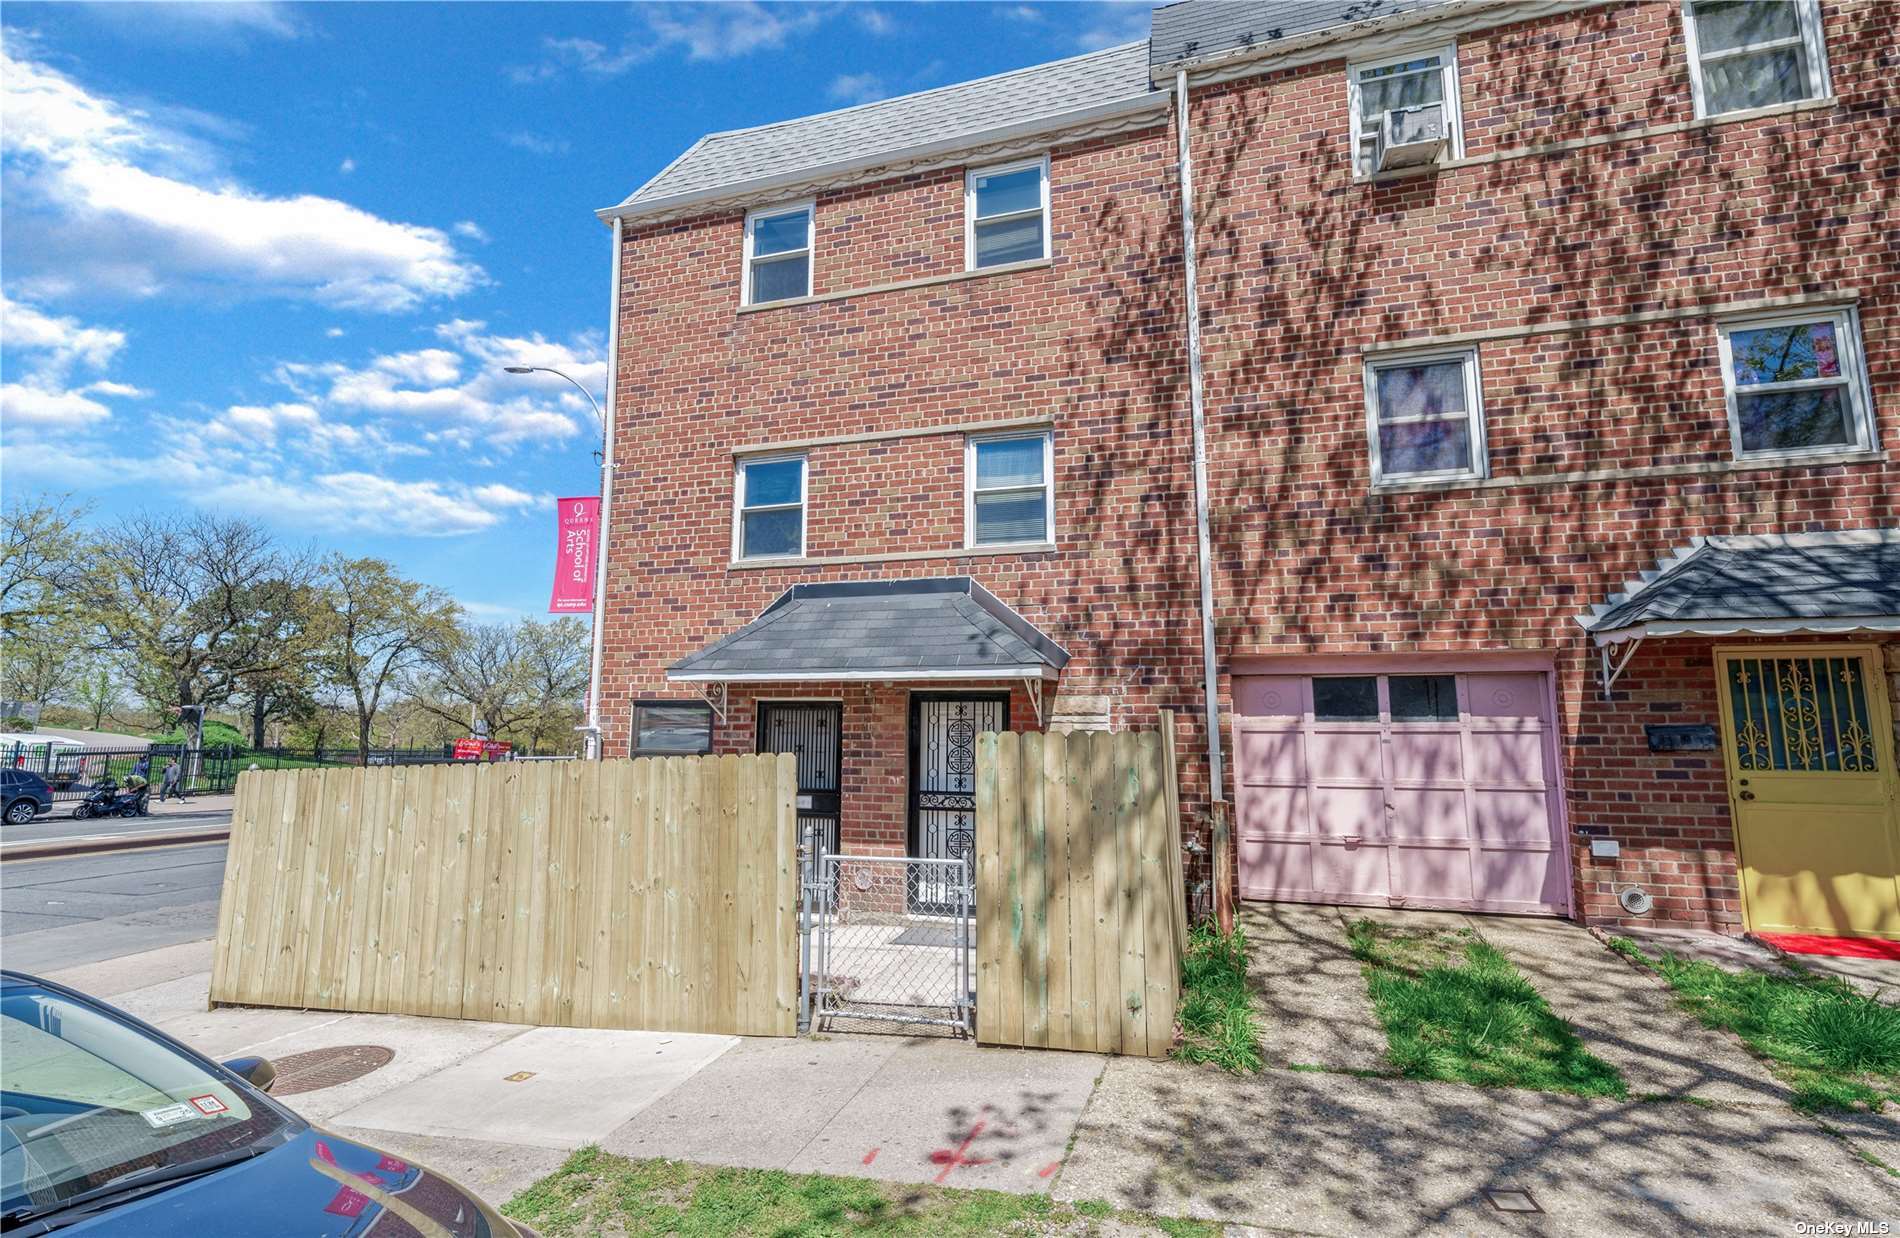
(384, 625)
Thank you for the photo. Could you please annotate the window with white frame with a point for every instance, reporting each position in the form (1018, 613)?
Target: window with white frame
(769, 515)
(671, 728)
(1416, 80)
(1008, 496)
(1425, 417)
(778, 254)
(1794, 383)
(1006, 210)
(1754, 53)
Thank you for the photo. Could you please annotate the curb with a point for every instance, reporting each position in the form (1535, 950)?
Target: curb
(131, 842)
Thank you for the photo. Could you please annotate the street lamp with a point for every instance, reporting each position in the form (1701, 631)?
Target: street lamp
(592, 729)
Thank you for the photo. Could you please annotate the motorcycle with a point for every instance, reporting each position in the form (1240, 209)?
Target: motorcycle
(108, 799)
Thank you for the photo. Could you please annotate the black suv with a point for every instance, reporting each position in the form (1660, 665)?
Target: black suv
(25, 795)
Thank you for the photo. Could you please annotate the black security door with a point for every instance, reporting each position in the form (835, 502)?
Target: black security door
(814, 733)
(943, 731)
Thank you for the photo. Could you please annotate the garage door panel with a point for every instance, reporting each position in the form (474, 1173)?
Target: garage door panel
(1511, 694)
(1267, 756)
(1511, 816)
(1266, 811)
(1270, 696)
(1428, 813)
(1508, 756)
(1437, 875)
(1350, 756)
(1427, 756)
(1274, 867)
(1349, 812)
(1352, 871)
(1524, 880)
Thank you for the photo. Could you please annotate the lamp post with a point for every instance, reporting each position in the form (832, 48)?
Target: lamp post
(592, 728)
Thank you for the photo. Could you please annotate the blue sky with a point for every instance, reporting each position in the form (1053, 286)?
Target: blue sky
(267, 259)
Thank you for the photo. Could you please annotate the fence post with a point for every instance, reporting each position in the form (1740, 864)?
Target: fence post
(807, 881)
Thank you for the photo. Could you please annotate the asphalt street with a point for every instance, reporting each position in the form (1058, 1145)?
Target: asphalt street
(65, 911)
(59, 825)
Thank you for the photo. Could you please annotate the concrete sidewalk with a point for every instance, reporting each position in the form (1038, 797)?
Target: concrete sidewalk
(497, 1106)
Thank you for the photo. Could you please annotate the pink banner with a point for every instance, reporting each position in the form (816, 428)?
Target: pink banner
(576, 526)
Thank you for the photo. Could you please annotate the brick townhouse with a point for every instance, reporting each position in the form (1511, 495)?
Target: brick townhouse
(1546, 360)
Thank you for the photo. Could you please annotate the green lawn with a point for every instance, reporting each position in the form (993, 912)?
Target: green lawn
(595, 1193)
(1455, 1009)
(1216, 1014)
(1837, 1048)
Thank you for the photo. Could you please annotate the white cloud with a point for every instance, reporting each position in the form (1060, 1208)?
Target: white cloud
(874, 21)
(703, 31)
(49, 347)
(856, 87)
(470, 229)
(1113, 24)
(192, 21)
(334, 333)
(347, 166)
(1023, 13)
(535, 143)
(101, 197)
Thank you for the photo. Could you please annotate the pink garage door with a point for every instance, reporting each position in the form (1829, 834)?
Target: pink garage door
(1434, 790)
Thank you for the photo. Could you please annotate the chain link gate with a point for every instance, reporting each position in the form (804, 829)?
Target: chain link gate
(887, 939)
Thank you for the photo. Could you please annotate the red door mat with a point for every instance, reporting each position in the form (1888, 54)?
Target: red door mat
(1839, 947)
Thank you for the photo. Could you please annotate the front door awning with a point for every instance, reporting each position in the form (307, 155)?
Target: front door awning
(941, 629)
(1759, 585)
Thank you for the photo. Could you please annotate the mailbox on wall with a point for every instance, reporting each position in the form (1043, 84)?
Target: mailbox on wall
(1693, 737)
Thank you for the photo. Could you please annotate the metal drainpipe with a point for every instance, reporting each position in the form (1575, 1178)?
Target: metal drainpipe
(1210, 686)
(594, 745)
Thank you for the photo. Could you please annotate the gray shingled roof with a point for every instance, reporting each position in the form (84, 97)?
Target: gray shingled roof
(945, 627)
(893, 126)
(1198, 29)
(1723, 583)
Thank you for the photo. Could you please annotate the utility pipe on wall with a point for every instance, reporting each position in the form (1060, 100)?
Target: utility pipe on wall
(606, 504)
(1210, 686)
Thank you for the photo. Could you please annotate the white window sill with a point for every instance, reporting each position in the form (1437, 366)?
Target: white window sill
(1768, 459)
(928, 281)
(959, 552)
(1857, 455)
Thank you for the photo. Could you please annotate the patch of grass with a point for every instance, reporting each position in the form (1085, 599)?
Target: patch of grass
(594, 1192)
(1217, 1017)
(1837, 1048)
(1455, 1009)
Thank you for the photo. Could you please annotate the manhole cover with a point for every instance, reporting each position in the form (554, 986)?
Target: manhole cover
(325, 1068)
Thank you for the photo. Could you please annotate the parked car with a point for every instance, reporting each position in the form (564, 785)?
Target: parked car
(25, 795)
(107, 1125)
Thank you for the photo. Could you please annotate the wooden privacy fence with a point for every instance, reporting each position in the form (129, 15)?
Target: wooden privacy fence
(1081, 913)
(631, 894)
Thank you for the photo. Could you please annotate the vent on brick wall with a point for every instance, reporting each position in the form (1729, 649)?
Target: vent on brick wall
(1636, 900)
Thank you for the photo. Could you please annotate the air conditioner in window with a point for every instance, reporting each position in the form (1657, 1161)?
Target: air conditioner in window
(1409, 137)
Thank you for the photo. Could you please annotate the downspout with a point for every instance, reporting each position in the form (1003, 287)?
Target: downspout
(1210, 686)
(594, 745)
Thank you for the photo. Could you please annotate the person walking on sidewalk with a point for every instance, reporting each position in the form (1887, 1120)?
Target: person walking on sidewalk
(171, 784)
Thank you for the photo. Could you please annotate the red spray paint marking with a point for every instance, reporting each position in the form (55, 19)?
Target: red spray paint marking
(870, 1156)
(950, 1160)
(1048, 1169)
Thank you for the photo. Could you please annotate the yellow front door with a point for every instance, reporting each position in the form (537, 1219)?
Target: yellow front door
(1810, 757)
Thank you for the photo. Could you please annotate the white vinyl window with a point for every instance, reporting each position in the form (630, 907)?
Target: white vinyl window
(1377, 87)
(1008, 496)
(778, 244)
(671, 728)
(769, 509)
(1794, 383)
(1006, 213)
(1753, 53)
(1425, 417)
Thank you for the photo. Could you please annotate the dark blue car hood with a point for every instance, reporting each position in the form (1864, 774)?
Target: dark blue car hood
(316, 1184)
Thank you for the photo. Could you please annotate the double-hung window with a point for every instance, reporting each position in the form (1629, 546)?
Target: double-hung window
(769, 509)
(1418, 80)
(1425, 417)
(778, 254)
(1006, 214)
(1009, 498)
(1753, 53)
(1795, 384)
